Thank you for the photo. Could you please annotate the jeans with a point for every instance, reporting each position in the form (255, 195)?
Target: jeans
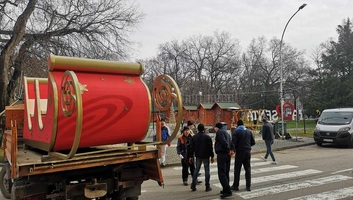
(206, 165)
(269, 149)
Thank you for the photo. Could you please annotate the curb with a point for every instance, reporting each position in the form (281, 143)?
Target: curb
(173, 160)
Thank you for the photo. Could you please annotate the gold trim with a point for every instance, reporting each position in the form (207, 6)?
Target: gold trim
(29, 120)
(165, 93)
(149, 105)
(55, 111)
(79, 110)
(94, 65)
(129, 80)
(36, 82)
(37, 102)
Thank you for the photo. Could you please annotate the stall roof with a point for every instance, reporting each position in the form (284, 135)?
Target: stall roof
(228, 105)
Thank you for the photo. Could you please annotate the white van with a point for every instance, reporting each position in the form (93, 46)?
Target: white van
(335, 126)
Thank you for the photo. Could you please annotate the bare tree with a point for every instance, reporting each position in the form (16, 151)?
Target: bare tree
(10, 46)
(214, 61)
(93, 29)
(223, 63)
(261, 73)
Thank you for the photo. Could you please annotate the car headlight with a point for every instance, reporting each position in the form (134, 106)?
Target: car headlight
(345, 129)
(317, 130)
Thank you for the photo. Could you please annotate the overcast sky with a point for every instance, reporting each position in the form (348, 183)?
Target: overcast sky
(167, 20)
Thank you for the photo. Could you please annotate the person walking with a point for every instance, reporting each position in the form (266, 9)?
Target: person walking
(243, 140)
(267, 136)
(183, 149)
(165, 135)
(202, 149)
(224, 151)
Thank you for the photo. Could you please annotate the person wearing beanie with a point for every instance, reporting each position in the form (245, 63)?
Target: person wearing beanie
(224, 151)
(243, 140)
(183, 151)
(191, 126)
(202, 149)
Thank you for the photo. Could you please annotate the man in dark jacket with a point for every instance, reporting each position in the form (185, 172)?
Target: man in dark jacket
(202, 149)
(183, 148)
(268, 135)
(224, 151)
(242, 139)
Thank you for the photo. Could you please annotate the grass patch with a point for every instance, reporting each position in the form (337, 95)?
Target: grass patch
(302, 128)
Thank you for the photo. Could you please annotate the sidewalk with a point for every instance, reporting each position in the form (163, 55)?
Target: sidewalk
(279, 144)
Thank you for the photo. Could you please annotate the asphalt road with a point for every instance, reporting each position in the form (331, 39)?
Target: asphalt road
(307, 172)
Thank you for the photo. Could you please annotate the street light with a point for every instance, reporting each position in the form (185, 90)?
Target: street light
(281, 67)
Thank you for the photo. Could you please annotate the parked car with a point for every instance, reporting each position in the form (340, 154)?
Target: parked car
(335, 126)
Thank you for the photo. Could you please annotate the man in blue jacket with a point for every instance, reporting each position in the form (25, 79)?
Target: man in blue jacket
(224, 151)
(242, 139)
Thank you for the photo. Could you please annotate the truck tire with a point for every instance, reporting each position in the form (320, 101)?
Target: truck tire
(17, 192)
(5, 184)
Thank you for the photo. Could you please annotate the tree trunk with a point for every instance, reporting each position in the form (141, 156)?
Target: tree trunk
(8, 51)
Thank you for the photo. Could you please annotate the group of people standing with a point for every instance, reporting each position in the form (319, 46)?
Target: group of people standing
(197, 149)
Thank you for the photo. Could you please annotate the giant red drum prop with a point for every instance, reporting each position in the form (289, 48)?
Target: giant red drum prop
(85, 103)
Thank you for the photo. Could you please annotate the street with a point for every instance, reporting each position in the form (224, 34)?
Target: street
(309, 172)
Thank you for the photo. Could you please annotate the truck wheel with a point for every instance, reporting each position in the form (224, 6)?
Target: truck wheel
(5, 184)
(319, 144)
(17, 192)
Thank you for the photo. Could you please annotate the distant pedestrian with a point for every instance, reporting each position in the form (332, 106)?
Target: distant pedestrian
(183, 148)
(268, 136)
(202, 149)
(165, 135)
(242, 139)
(224, 151)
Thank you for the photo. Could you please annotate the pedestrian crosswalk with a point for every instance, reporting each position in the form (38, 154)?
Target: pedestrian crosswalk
(285, 176)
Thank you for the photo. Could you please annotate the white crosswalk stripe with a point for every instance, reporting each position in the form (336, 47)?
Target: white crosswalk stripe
(329, 195)
(289, 172)
(255, 171)
(292, 186)
(277, 177)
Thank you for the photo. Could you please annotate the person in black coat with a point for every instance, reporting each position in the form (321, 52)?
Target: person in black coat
(202, 149)
(242, 139)
(183, 148)
(224, 151)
